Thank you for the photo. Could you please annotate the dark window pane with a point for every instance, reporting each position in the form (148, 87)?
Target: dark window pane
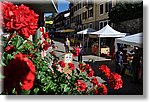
(105, 23)
(106, 7)
(101, 25)
(101, 9)
(110, 5)
(109, 23)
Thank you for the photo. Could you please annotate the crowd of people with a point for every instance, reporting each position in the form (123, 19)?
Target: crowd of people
(129, 60)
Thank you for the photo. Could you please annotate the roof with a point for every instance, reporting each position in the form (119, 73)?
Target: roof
(86, 31)
(108, 31)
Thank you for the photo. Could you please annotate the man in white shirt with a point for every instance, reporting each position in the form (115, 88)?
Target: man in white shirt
(67, 45)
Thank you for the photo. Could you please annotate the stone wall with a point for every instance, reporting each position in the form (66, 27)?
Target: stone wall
(130, 26)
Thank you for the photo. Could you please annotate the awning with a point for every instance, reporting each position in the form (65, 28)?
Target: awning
(66, 30)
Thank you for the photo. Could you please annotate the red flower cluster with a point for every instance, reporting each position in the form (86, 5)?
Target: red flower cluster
(42, 29)
(89, 70)
(86, 68)
(20, 19)
(61, 63)
(10, 49)
(115, 81)
(101, 89)
(81, 85)
(94, 81)
(82, 67)
(105, 70)
(19, 70)
(45, 35)
(71, 66)
(45, 45)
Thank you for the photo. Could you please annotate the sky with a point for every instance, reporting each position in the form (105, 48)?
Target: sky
(62, 5)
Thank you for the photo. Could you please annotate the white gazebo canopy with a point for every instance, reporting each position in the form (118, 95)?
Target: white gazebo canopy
(86, 31)
(108, 31)
(134, 40)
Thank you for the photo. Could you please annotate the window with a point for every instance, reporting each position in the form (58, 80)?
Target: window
(101, 8)
(90, 13)
(105, 23)
(106, 6)
(101, 25)
(84, 15)
(109, 23)
(110, 5)
(84, 27)
(90, 25)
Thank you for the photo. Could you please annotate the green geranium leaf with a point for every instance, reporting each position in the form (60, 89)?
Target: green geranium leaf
(25, 92)
(36, 90)
(19, 42)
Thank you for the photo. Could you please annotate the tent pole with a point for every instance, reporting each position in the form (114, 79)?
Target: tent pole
(83, 43)
(87, 43)
(99, 47)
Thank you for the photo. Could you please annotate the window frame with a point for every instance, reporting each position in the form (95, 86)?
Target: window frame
(100, 8)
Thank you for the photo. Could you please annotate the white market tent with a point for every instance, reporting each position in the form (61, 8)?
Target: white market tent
(86, 31)
(133, 40)
(108, 31)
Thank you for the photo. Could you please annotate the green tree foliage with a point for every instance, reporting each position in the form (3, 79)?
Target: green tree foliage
(126, 11)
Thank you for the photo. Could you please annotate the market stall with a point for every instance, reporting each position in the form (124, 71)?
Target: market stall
(107, 32)
(132, 41)
(104, 50)
(86, 31)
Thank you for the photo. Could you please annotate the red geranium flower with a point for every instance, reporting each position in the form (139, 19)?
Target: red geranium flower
(82, 67)
(115, 81)
(90, 73)
(19, 70)
(45, 35)
(81, 85)
(101, 89)
(42, 29)
(71, 66)
(61, 63)
(89, 70)
(10, 49)
(20, 19)
(46, 45)
(105, 70)
(94, 81)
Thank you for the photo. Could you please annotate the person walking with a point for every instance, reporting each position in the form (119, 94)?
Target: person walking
(67, 45)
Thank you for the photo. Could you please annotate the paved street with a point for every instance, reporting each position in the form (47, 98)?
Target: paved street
(129, 88)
